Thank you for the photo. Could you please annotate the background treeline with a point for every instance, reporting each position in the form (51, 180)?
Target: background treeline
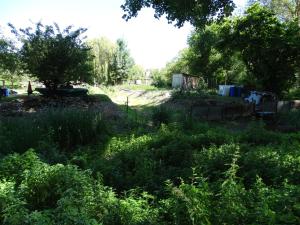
(97, 61)
(259, 49)
(112, 62)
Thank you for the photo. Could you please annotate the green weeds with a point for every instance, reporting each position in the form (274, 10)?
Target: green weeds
(184, 172)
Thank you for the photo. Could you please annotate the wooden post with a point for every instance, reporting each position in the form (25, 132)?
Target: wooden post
(127, 107)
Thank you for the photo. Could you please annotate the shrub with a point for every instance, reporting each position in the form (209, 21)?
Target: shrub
(161, 115)
(13, 166)
(187, 203)
(214, 161)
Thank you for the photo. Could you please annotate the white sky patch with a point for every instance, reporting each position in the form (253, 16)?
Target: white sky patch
(152, 42)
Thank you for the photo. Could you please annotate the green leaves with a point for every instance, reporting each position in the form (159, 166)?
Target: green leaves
(198, 13)
(112, 62)
(53, 56)
(266, 47)
(121, 63)
(206, 176)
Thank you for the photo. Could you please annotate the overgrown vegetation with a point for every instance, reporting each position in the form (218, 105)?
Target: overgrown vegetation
(182, 173)
(157, 165)
(63, 129)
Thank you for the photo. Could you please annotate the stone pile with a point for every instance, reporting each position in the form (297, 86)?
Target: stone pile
(34, 104)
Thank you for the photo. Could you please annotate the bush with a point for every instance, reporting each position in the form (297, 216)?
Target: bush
(53, 56)
(161, 115)
(188, 203)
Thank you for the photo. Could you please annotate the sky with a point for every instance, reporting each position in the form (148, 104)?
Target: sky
(152, 42)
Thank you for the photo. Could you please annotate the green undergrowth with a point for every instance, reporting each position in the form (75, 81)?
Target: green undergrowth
(69, 167)
(64, 129)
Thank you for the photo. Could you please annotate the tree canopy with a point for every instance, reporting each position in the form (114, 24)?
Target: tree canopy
(54, 56)
(121, 64)
(112, 62)
(9, 59)
(10, 64)
(197, 13)
(258, 50)
(103, 51)
(268, 46)
(285, 9)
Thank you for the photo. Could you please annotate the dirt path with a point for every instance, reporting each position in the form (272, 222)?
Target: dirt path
(141, 98)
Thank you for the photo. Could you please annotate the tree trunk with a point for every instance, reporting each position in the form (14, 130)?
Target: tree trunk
(297, 11)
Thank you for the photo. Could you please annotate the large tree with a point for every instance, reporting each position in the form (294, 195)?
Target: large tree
(10, 64)
(269, 47)
(103, 51)
(197, 12)
(121, 64)
(54, 56)
(214, 64)
(285, 9)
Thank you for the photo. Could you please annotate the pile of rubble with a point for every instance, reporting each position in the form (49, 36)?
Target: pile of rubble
(32, 104)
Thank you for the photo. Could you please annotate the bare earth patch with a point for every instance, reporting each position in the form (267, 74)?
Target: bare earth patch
(25, 105)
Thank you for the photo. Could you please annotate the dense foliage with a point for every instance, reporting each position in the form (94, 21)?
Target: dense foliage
(10, 64)
(112, 62)
(183, 173)
(198, 13)
(64, 129)
(257, 50)
(216, 65)
(121, 63)
(53, 56)
(103, 51)
(269, 47)
(285, 9)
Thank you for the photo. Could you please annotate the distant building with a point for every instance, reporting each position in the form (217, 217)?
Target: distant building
(185, 81)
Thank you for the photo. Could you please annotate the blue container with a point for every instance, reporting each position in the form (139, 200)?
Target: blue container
(232, 91)
(238, 91)
(5, 92)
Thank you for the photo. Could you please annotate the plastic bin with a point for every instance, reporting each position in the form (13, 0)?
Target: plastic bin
(232, 91)
(5, 92)
(238, 91)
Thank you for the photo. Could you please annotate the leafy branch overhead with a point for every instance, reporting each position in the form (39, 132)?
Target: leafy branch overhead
(197, 12)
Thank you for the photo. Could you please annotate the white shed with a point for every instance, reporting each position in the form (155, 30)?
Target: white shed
(185, 81)
(177, 80)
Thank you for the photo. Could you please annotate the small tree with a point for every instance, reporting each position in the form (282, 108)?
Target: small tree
(121, 64)
(55, 57)
(9, 61)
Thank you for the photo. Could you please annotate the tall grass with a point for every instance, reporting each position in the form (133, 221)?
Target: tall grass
(65, 128)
